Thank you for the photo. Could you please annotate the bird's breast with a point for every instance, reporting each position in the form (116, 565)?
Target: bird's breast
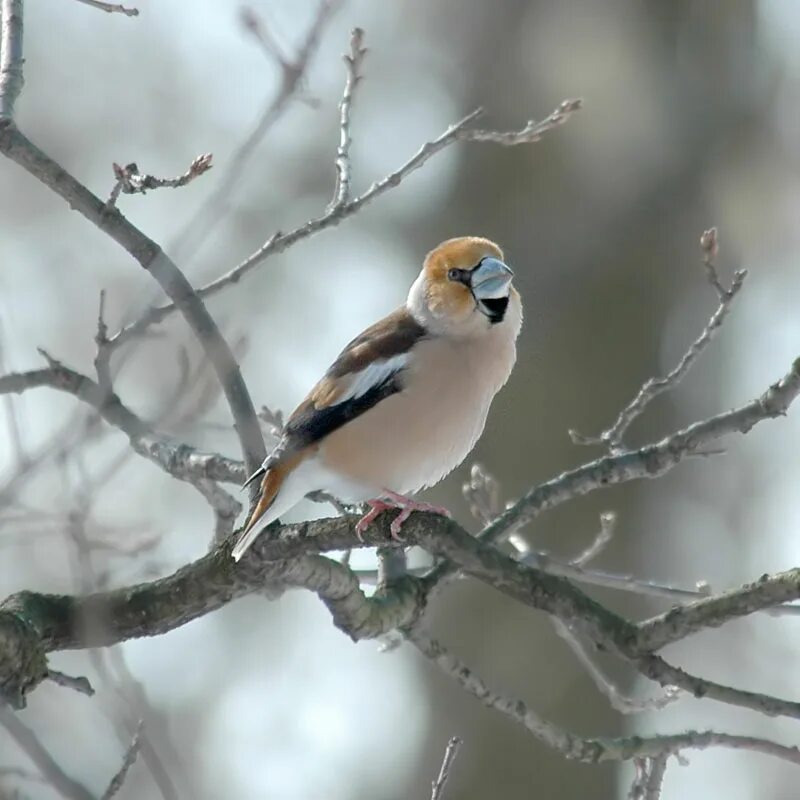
(414, 438)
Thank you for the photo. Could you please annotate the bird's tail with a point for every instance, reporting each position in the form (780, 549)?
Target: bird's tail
(270, 486)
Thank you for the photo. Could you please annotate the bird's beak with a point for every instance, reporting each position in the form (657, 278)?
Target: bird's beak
(490, 279)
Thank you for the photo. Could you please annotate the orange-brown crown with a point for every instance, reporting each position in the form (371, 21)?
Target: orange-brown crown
(449, 298)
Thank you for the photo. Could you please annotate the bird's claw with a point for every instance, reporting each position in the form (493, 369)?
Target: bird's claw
(393, 500)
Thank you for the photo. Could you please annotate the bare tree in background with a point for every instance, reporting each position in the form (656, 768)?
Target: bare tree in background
(33, 624)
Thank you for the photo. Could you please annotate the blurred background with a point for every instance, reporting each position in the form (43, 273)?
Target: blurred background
(690, 120)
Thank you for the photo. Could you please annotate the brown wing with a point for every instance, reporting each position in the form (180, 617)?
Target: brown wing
(368, 369)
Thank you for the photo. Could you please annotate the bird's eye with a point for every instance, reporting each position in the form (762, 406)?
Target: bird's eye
(454, 274)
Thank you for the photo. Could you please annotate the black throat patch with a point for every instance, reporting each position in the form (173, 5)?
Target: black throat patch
(494, 308)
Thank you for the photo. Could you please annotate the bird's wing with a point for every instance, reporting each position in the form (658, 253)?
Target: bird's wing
(369, 369)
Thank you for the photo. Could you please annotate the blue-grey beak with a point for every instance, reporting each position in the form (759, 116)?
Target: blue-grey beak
(490, 279)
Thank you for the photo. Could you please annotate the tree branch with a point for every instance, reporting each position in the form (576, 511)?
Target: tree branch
(650, 461)
(341, 194)
(111, 8)
(656, 386)
(29, 742)
(591, 751)
(450, 753)
(179, 460)
(11, 77)
(130, 181)
(127, 762)
(23, 152)
(278, 242)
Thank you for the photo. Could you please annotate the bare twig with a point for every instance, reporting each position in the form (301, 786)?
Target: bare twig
(179, 460)
(648, 778)
(102, 359)
(127, 762)
(278, 242)
(254, 25)
(589, 750)
(341, 193)
(15, 435)
(619, 700)
(273, 420)
(11, 77)
(130, 181)
(79, 683)
(111, 8)
(29, 742)
(450, 753)
(650, 461)
(482, 493)
(709, 244)
(608, 522)
(293, 71)
(131, 702)
(150, 256)
(656, 386)
(531, 132)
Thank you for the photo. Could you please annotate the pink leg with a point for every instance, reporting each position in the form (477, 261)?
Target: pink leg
(395, 500)
(375, 507)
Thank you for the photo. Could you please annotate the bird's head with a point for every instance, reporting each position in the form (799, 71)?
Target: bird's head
(464, 288)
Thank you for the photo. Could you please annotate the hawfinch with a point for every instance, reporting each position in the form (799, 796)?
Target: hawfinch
(405, 402)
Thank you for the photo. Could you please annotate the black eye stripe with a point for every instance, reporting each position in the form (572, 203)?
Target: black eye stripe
(460, 275)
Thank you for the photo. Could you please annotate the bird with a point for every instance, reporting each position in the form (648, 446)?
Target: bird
(406, 401)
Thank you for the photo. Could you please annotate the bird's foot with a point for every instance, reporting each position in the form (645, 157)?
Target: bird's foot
(392, 500)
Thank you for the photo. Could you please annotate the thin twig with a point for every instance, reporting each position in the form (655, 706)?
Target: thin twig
(165, 272)
(130, 181)
(709, 245)
(619, 700)
(608, 522)
(341, 193)
(650, 461)
(589, 750)
(179, 460)
(127, 762)
(132, 704)
(102, 359)
(111, 8)
(656, 386)
(29, 742)
(254, 25)
(78, 684)
(648, 778)
(482, 493)
(278, 242)
(450, 753)
(531, 132)
(293, 71)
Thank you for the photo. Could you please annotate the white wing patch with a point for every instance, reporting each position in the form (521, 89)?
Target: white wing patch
(373, 375)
